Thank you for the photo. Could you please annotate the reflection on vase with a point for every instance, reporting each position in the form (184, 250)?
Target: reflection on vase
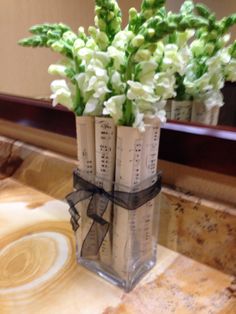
(181, 110)
(202, 115)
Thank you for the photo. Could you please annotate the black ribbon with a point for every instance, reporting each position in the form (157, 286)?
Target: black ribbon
(85, 189)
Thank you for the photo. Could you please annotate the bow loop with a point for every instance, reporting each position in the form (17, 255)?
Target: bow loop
(99, 199)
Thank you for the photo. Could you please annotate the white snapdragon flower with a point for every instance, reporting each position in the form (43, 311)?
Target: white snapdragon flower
(85, 54)
(142, 55)
(153, 112)
(197, 86)
(161, 114)
(213, 98)
(93, 107)
(230, 70)
(159, 52)
(95, 79)
(165, 85)
(138, 91)
(122, 39)
(197, 47)
(103, 57)
(147, 70)
(117, 85)
(173, 61)
(118, 57)
(114, 107)
(184, 37)
(57, 69)
(78, 44)
(61, 94)
(225, 56)
(139, 123)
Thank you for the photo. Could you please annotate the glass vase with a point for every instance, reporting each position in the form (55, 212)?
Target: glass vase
(116, 230)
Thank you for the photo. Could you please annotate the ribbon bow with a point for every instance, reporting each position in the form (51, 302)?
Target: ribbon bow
(98, 204)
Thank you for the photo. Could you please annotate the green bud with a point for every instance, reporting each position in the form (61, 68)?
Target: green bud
(78, 44)
(152, 48)
(69, 37)
(81, 34)
(133, 14)
(187, 7)
(142, 55)
(57, 69)
(203, 10)
(101, 24)
(110, 16)
(209, 49)
(148, 13)
(115, 24)
(151, 32)
(137, 41)
(58, 46)
(102, 40)
(92, 31)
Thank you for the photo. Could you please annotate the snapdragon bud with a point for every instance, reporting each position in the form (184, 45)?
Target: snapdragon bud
(152, 47)
(101, 24)
(92, 31)
(110, 16)
(132, 14)
(151, 32)
(197, 47)
(209, 49)
(148, 13)
(142, 55)
(69, 37)
(102, 40)
(58, 46)
(137, 41)
(81, 34)
(78, 44)
(57, 69)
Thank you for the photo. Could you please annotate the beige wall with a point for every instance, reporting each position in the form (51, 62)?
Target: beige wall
(24, 71)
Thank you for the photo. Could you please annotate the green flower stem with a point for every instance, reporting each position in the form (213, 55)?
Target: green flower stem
(129, 118)
(78, 101)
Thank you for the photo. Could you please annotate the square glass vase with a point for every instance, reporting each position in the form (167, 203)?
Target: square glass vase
(116, 238)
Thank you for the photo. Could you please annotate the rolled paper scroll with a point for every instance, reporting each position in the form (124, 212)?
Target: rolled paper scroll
(87, 167)
(181, 110)
(168, 108)
(149, 169)
(136, 160)
(202, 115)
(105, 145)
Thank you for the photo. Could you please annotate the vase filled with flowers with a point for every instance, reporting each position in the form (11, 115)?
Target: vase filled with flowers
(117, 82)
(211, 64)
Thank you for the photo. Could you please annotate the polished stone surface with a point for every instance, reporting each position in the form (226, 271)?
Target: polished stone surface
(38, 272)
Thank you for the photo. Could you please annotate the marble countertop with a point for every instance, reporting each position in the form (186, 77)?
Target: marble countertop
(39, 274)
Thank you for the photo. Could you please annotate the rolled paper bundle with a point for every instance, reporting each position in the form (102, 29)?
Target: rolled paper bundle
(181, 110)
(202, 115)
(168, 108)
(149, 169)
(105, 145)
(136, 160)
(85, 130)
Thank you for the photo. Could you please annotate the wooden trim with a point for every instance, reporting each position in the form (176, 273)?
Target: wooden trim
(208, 148)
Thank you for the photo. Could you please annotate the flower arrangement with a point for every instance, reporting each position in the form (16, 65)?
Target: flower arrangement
(126, 74)
(117, 82)
(211, 63)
